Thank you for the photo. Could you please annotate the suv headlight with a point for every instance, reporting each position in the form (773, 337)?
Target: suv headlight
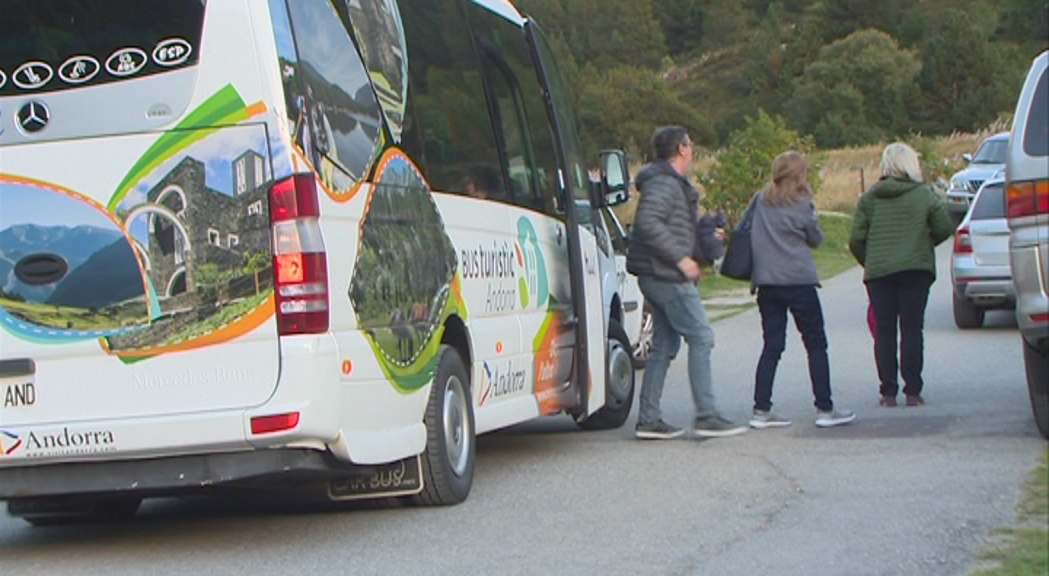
(959, 184)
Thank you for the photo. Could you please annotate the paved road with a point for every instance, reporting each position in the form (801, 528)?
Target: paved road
(902, 491)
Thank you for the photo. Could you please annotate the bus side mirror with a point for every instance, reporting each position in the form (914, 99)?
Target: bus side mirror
(615, 177)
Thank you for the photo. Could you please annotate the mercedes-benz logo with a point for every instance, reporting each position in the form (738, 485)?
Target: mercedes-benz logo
(33, 117)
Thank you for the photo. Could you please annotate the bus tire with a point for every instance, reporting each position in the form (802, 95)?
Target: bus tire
(619, 382)
(451, 446)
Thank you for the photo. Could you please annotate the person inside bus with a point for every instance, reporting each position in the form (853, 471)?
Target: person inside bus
(482, 181)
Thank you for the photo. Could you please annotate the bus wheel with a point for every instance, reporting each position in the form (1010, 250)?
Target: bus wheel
(448, 461)
(619, 382)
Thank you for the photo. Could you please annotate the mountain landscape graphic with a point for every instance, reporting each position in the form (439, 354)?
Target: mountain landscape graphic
(76, 244)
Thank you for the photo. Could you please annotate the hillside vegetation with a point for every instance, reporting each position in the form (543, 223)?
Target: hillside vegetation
(845, 73)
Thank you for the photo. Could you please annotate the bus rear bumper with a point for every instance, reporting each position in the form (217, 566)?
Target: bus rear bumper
(169, 475)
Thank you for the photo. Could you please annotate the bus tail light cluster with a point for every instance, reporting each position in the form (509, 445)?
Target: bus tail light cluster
(300, 268)
(1027, 198)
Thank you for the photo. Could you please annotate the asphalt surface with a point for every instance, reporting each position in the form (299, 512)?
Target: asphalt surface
(901, 491)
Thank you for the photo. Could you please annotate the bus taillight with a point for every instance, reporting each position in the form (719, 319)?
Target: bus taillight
(300, 268)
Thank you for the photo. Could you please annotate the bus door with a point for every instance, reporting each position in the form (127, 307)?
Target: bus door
(584, 269)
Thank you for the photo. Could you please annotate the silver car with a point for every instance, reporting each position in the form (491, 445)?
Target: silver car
(1027, 207)
(980, 262)
(988, 160)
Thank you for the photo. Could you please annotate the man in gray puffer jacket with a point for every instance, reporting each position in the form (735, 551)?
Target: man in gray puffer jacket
(660, 254)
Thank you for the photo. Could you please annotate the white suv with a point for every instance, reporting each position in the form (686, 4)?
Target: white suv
(988, 160)
(1027, 207)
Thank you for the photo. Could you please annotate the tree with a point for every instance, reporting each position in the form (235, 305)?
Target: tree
(965, 82)
(621, 107)
(607, 33)
(840, 18)
(1026, 21)
(743, 168)
(854, 93)
(682, 23)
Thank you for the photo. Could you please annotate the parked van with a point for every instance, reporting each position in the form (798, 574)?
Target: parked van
(1027, 207)
(281, 243)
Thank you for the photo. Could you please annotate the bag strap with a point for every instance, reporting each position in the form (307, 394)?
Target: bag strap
(748, 214)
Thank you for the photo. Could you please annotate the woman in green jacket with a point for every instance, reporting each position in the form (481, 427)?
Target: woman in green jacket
(898, 224)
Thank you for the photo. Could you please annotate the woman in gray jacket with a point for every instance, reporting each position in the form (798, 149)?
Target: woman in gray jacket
(784, 229)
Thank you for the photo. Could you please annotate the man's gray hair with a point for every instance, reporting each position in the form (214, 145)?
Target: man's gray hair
(901, 161)
(666, 140)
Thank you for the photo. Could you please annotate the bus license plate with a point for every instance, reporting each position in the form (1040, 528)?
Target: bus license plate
(399, 478)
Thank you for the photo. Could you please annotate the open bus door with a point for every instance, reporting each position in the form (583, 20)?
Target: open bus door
(588, 375)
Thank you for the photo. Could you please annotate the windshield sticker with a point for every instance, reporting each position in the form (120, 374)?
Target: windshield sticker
(79, 69)
(126, 61)
(32, 75)
(172, 52)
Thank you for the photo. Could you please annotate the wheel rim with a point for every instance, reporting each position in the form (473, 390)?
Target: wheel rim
(620, 373)
(457, 437)
(644, 340)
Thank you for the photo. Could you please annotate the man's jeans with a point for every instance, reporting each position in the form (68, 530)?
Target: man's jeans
(677, 312)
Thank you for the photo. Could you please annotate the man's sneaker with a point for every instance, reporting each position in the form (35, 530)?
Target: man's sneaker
(915, 400)
(766, 419)
(716, 427)
(834, 418)
(658, 430)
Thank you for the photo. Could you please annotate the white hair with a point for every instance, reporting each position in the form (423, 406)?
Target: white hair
(901, 161)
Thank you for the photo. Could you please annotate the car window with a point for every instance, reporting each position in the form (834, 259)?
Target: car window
(991, 152)
(1036, 135)
(990, 204)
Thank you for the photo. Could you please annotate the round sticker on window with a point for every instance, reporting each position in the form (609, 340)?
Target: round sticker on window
(32, 75)
(79, 69)
(172, 52)
(126, 61)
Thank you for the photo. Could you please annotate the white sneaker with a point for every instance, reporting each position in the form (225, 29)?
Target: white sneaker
(762, 419)
(834, 418)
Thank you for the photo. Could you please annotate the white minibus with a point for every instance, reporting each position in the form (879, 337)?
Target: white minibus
(284, 243)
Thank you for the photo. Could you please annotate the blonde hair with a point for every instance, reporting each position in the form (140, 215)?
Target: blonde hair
(901, 161)
(789, 179)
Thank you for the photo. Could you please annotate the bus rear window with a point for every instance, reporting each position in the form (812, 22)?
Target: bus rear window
(53, 45)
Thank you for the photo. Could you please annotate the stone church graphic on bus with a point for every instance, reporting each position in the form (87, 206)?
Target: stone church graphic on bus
(194, 228)
(203, 249)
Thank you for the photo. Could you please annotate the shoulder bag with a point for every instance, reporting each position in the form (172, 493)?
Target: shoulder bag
(738, 260)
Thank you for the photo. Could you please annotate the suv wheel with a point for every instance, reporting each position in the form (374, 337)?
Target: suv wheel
(1037, 364)
(966, 314)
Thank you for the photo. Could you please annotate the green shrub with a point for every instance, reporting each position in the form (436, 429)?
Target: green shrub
(744, 167)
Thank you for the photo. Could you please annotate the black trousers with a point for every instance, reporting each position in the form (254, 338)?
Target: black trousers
(899, 300)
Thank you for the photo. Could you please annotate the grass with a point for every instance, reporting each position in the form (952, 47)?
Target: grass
(1024, 548)
(832, 258)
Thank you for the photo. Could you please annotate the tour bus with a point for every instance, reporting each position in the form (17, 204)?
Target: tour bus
(287, 244)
